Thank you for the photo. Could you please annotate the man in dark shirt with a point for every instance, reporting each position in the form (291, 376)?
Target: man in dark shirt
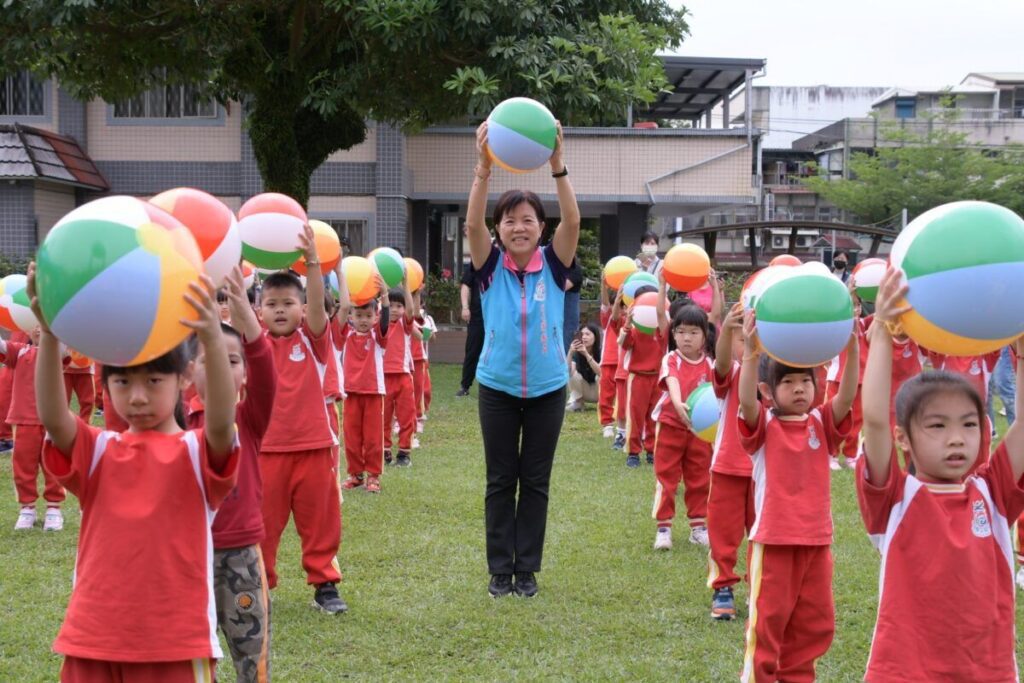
(473, 315)
(573, 285)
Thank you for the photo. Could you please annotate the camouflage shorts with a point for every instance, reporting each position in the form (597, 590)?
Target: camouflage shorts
(243, 609)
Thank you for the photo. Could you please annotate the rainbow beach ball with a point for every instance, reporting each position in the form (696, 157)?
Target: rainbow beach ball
(270, 226)
(415, 271)
(521, 134)
(687, 267)
(867, 276)
(389, 263)
(211, 222)
(645, 313)
(617, 270)
(15, 313)
(360, 279)
(111, 279)
(804, 318)
(705, 412)
(328, 248)
(964, 267)
(635, 284)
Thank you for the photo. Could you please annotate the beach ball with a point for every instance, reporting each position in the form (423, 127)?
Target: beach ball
(785, 260)
(332, 283)
(867, 275)
(390, 264)
(78, 360)
(631, 287)
(757, 283)
(211, 223)
(705, 412)
(645, 313)
(964, 265)
(360, 278)
(617, 270)
(804, 318)
(111, 277)
(248, 274)
(686, 267)
(521, 134)
(415, 271)
(270, 225)
(328, 248)
(15, 313)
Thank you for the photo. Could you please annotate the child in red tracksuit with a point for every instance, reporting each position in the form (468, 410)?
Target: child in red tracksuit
(297, 457)
(6, 393)
(792, 613)
(78, 379)
(422, 329)
(678, 453)
(364, 339)
(399, 397)
(731, 498)
(28, 438)
(611, 323)
(848, 449)
(642, 361)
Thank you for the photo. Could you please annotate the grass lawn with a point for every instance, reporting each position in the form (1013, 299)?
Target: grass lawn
(416, 578)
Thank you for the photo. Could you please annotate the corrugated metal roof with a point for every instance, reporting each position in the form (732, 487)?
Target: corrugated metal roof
(698, 84)
(27, 152)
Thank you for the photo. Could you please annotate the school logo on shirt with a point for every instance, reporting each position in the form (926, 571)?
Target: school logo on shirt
(812, 438)
(979, 520)
(540, 292)
(297, 354)
(906, 352)
(975, 368)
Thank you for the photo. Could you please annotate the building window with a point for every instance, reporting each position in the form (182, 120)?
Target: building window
(21, 94)
(906, 107)
(352, 233)
(167, 102)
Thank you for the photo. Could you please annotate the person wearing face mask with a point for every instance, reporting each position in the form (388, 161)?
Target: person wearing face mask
(839, 269)
(647, 260)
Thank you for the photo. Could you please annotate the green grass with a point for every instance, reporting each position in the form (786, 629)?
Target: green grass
(415, 580)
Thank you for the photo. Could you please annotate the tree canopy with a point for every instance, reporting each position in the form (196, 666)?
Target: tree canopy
(311, 72)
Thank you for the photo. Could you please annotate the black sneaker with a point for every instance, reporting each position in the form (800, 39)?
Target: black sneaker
(326, 599)
(462, 392)
(387, 458)
(403, 460)
(620, 442)
(723, 607)
(500, 586)
(650, 458)
(526, 584)
(633, 461)
(6, 445)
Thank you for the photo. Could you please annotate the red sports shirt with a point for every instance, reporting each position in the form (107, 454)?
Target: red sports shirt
(21, 359)
(946, 603)
(610, 344)
(689, 374)
(838, 364)
(792, 483)
(729, 456)
(143, 588)
(363, 360)
(643, 352)
(398, 348)
(299, 421)
(239, 520)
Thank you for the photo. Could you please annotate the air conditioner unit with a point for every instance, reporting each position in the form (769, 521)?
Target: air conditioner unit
(746, 241)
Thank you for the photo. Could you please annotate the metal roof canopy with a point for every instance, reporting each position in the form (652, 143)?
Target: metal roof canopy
(698, 84)
(34, 153)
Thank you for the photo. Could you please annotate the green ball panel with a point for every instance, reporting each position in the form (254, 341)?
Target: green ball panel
(805, 299)
(529, 118)
(964, 235)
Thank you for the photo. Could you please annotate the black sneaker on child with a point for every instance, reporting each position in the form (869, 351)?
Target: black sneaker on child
(403, 460)
(500, 586)
(650, 458)
(387, 458)
(526, 584)
(326, 599)
(462, 392)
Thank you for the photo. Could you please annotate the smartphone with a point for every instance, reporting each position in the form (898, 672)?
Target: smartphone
(577, 337)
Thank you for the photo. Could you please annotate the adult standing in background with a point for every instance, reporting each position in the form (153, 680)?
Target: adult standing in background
(839, 262)
(573, 285)
(647, 260)
(522, 371)
(473, 315)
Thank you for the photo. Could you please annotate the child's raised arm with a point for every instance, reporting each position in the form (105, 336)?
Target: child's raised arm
(221, 396)
(1014, 438)
(243, 318)
(316, 313)
(412, 303)
(732, 324)
(750, 408)
(662, 306)
(717, 299)
(876, 391)
(847, 393)
(50, 404)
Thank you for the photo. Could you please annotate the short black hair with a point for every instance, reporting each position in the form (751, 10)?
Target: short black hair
(771, 372)
(285, 280)
(692, 314)
(222, 296)
(650, 235)
(510, 199)
(911, 397)
(396, 296)
(371, 304)
(174, 362)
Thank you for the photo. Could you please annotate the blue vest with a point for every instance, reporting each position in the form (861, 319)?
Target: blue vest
(523, 353)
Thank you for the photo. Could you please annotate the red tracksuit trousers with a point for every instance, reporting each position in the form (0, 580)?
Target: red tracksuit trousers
(399, 401)
(606, 389)
(730, 516)
(82, 386)
(621, 401)
(303, 484)
(26, 462)
(680, 455)
(792, 614)
(419, 386)
(642, 394)
(6, 392)
(363, 424)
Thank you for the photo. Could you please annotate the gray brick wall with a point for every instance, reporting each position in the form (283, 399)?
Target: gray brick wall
(349, 177)
(249, 181)
(71, 119)
(392, 202)
(17, 219)
(151, 177)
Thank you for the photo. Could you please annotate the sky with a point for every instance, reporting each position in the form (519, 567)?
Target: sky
(914, 43)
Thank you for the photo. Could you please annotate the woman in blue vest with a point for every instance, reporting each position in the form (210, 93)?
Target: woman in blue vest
(522, 371)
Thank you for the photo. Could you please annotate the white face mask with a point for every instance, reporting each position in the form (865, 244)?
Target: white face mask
(649, 249)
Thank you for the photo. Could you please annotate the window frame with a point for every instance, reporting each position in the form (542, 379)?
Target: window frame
(46, 116)
(147, 97)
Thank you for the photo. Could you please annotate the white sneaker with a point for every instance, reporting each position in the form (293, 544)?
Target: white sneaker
(419, 426)
(699, 535)
(394, 427)
(54, 520)
(1020, 578)
(850, 463)
(415, 441)
(663, 539)
(833, 463)
(608, 432)
(26, 519)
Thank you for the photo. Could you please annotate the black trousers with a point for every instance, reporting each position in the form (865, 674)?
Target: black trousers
(520, 437)
(474, 346)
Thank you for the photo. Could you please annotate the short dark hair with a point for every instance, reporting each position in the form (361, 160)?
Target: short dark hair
(222, 296)
(771, 372)
(371, 304)
(648, 236)
(510, 199)
(396, 296)
(174, 362)
(285, 280)
(692, 314)
(911, 397)
(231, 332)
